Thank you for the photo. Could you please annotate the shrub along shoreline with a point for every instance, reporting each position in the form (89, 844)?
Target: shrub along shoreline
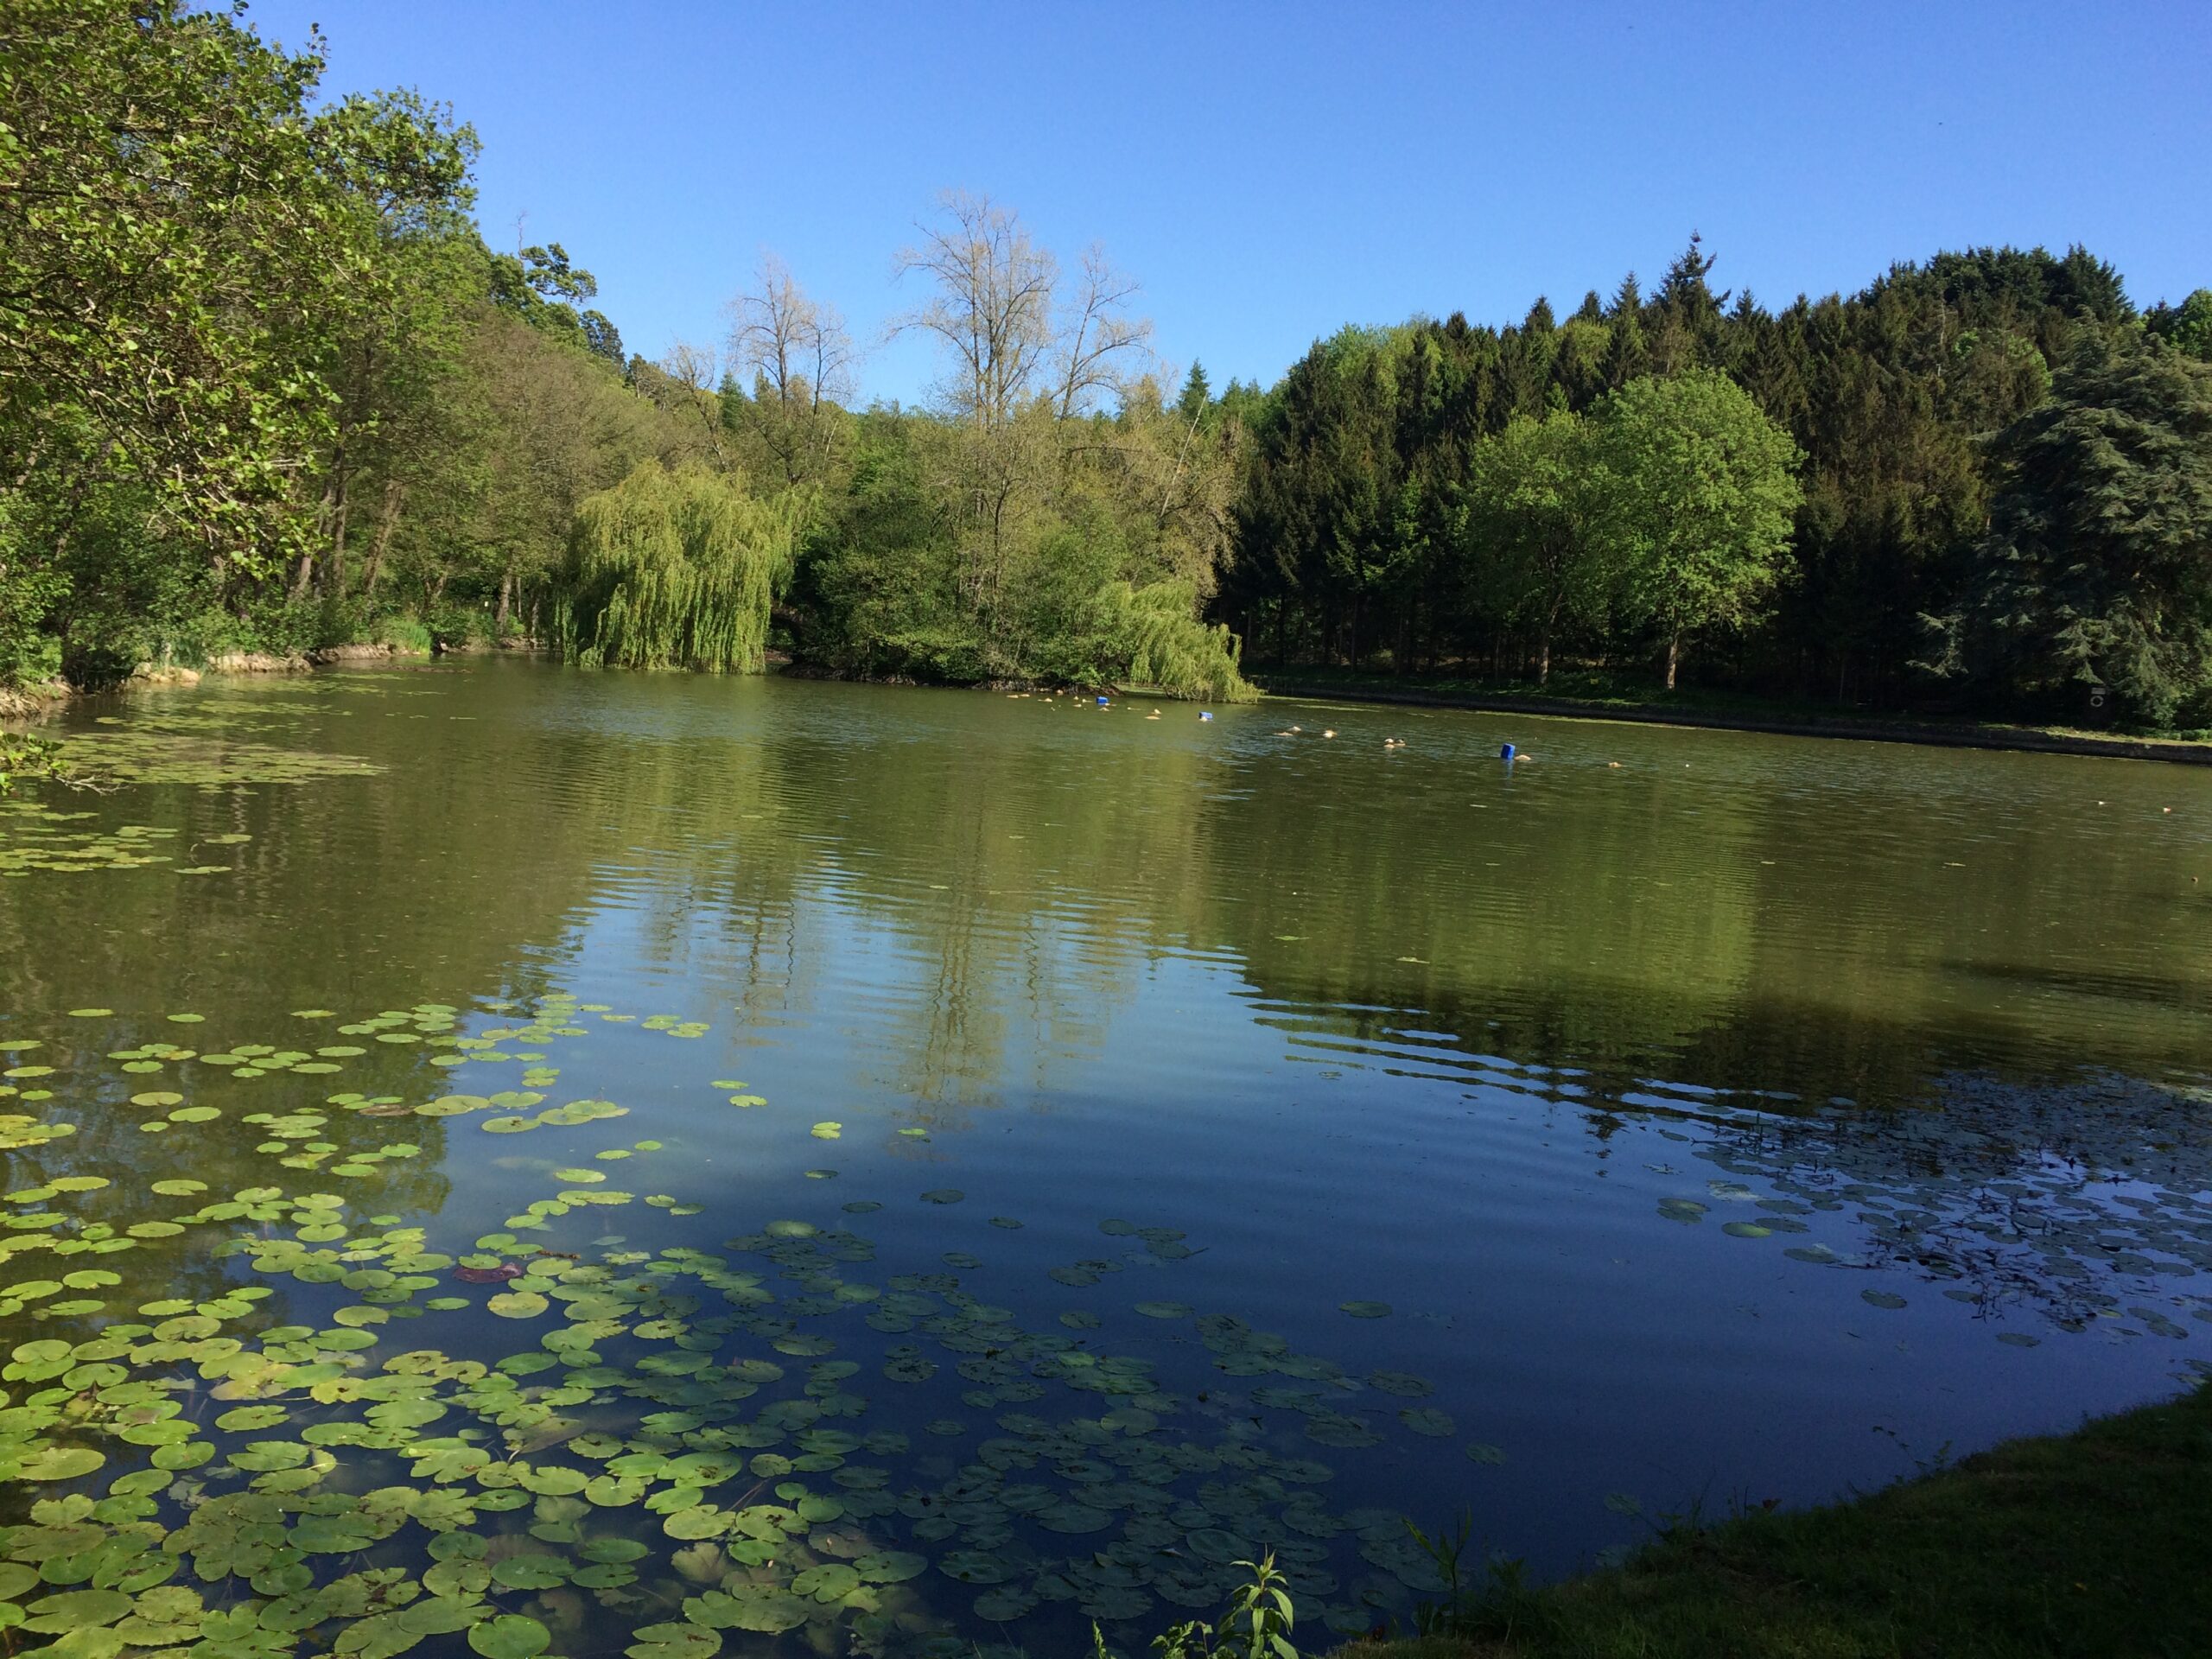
(2097, 1543)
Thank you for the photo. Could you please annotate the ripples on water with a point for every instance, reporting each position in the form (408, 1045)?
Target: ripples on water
(1718, 1116)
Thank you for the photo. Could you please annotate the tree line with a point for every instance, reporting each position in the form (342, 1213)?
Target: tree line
(264, 385)
(1980, 483)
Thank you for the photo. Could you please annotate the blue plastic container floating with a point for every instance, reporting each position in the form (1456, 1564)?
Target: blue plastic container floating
(1507, 752)
(1205, 713)
(1102, 703)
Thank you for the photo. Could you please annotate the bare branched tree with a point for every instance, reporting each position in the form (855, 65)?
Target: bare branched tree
(1102, 346)
(801, 362)
(694, 373)
(1026, 372)
(992, 306)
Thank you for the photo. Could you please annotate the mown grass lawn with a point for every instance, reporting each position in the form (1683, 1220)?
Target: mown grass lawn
(2094, 1543)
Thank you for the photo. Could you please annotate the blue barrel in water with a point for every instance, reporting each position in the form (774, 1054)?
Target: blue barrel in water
(1507, 752)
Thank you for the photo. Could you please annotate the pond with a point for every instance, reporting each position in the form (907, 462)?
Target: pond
(512, 1159)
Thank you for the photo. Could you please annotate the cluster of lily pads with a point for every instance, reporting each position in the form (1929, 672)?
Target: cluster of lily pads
(258, 1416)
(36, 837)
(185, 750)
(285, 1456)
(2087, 1203)
(177, 746)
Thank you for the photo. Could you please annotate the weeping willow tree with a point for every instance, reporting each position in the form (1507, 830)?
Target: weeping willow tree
(1168, 649)
(672, 570)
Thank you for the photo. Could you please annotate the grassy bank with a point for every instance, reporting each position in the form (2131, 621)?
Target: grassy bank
(2094, 1543)
(1600, 696)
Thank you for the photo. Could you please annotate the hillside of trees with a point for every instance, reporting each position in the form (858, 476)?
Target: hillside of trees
(2000, 471)
(264, 385)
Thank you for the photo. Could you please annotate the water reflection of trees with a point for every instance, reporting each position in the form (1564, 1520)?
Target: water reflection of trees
(985, 881)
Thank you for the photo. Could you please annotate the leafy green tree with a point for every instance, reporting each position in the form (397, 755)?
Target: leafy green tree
(141, 136)
(541, 287)
(1538, 497)
(392, 362)
(672, 570)
(2097, 567)
(2188, 326)
(878, 590)
(1705, 489)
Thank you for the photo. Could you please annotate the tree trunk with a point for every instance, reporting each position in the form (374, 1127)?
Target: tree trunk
(1673, 655)
(387, 521)
(507, 597)
(301, 576)
(333, 570)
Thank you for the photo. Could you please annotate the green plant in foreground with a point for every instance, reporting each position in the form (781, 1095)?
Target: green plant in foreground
(1433, 1618)
(1257, 1624)
(1506, 1606)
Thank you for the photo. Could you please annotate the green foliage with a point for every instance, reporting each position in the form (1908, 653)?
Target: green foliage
(2095, 570)
(2187, 327)
(1258, 1623)
(1155, 641)
(341, 405)
(221, 183)
(1377, 526)
(880, 588)
(540, 286)
(1537, 494)
(1702, 488)
(671, 569)
(30, 652)
(28, 758)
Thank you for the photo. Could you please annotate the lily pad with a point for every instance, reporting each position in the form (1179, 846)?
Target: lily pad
(1212, 1544)
(891, 1565)
(975, 1566)
(831, 1581)
(59, 1462)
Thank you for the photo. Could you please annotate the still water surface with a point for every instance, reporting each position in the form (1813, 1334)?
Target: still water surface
(1682, 1117)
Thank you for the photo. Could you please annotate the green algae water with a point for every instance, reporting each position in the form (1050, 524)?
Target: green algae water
(522, 1161)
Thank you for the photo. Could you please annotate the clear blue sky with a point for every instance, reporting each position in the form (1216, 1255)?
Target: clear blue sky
(1273, 171)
